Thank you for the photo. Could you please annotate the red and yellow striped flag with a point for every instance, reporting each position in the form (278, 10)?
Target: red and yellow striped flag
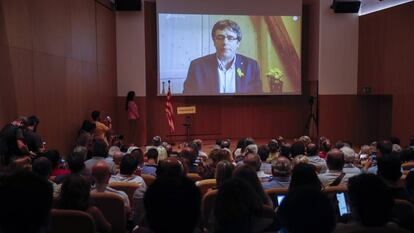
(169, 110)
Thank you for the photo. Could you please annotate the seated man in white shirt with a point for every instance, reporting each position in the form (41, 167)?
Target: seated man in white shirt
(101, 173)
(127, 169)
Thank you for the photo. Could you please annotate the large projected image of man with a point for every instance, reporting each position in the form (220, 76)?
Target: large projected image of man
(224, 72)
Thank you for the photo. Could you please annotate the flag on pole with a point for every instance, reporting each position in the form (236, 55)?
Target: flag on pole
(169, 110)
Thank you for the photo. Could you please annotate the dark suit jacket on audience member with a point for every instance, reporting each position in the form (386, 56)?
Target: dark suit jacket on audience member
(202, 77)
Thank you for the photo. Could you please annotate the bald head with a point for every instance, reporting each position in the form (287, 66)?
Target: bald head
(335, 160)
(101, 172)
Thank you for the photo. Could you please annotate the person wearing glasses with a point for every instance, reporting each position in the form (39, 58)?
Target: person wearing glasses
(224, 72)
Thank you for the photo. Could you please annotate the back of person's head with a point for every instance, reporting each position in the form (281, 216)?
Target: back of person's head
(273, 146)
(138, 155)
(312, 149)
(225, 143)
(251, 148)
(371, 200)
(199, 143)
(281, 167)
(101, 172)
(285, 149)
(395, 140)
(33, 121)
(42, 166)
(307, 209)
(224, 171)
(189, 155)
(128, 165)
(170, 167)
(246, 142)
(88, 126)
(389, 167)
(252, 160)
(298, 148)
(175, 201)
(304, 175)
(76, 161)
(152, 153)
(335, 160)
(384, 147)
(349, 154)
(156, 141)
(25, 202)
(326, 146)
(74, 193)
(263, 152)
(407, 154)
(300, 159)
(95, 115)
(54, 157)
(237, 205)
(247, 173)
(99, 149)
(305, 140)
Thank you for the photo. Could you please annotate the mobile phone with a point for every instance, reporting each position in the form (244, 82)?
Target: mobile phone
(342, 204)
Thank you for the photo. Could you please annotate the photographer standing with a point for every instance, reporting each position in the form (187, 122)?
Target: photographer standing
(102, 130)
(12, 140)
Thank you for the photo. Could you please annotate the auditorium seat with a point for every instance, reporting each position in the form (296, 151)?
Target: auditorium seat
(112, 207)
(128, 187)
(194, 176)
(71, 221)
(205, 185)
(148, 179)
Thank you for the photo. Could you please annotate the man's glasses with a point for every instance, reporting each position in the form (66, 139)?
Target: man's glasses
(229, 38)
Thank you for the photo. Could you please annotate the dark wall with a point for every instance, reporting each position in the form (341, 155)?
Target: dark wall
(58, 61)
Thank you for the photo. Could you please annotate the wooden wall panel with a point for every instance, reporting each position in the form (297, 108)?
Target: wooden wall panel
(386, 61)
(17, 22)
(359, 119)
(52, 71)
(83, 30)
(22, 70)
(8, 106)
(51, 26)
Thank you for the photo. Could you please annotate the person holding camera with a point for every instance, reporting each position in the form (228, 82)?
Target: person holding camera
(103, 128)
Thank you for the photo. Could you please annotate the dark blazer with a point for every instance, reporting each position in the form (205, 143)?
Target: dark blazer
(203, 79)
